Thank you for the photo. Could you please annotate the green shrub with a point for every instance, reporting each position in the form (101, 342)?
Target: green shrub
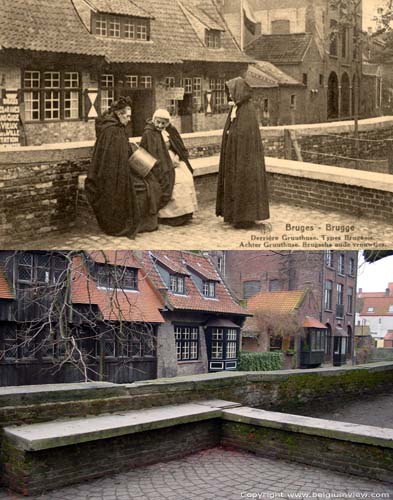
(260, 361)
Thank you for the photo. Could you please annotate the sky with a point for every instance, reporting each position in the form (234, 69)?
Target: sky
(369, 8)
(375, 277)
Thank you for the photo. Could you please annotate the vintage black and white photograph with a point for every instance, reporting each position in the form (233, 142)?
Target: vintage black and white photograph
(198, 124)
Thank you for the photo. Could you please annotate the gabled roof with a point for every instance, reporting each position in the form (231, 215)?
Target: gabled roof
(5, 288)
(282, 302)
(380, 305)
(204, 270)
(287, 48)
(258, 79)
(162, 257)
(45, 25)
(121, 7)
(276, 74)
(278, 302)
(143, 305)
(124, 258)
(310, 322)
(203, 18)
(193, 300)
(55, 26)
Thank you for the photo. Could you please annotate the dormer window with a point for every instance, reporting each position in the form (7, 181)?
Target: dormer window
(130, 28)
(213, 39)
(117, 277)
(177, 284)
(209, 289)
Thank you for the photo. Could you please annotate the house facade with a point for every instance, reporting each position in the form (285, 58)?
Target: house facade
(117, 316)
(329, 275)
(376, 314)
(305, 39)
(62, 63)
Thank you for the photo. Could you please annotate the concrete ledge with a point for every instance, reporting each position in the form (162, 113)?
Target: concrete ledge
(36, 437)
(36, 394)
(343, 431)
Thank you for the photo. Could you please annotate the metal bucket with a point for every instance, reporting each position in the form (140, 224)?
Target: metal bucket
(141, 162)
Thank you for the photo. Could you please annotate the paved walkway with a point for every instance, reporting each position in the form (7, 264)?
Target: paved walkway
(220, 473)
(310, 231)
(374, 410)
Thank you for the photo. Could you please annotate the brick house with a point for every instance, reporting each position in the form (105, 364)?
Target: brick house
(200, 312)
(274, 93)
(330, 276)
(284, 320)
(296, 37)
(376, 313)
(63, 62)
(113, 315)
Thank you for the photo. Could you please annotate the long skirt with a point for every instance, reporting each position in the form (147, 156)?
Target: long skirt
(183, 202)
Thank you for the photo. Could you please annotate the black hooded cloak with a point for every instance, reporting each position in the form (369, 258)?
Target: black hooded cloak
(109, 183)
(164, 171)
(242, 194)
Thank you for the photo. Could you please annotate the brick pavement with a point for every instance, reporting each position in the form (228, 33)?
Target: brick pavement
(207, 231)
(221, 473)
(376, 410)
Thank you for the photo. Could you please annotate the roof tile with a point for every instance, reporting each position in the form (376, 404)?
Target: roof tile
(121, 7)
(280, 49)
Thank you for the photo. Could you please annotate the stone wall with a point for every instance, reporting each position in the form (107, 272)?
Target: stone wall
(64, 465)
(277, 391)
(325, 452)
(38, 184)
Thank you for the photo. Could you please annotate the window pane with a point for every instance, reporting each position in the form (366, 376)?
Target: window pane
(132, 81)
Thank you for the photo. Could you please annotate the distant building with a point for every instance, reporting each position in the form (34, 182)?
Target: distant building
(295, 35)
(376, 313)
(329, 275)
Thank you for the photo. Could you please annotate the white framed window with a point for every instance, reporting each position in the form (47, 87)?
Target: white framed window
(169, 82)
(177, 284)
(213, 39)
(219, 96)
(132, 81)
(52, 95)
(129, 29)
(370, 309)
(187, 340)
(141, 32)
(71, 96)
(231, 349)
(101, 25)
(341, 264)
(114, 27)
(146, 81)
(107, 91)
(329, 258)
(197, 93)
(328, 294)
(187, 83)
(171, 106)
(391, 308)
(209, 289)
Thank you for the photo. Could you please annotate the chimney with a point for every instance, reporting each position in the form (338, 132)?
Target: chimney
(360, 290)
(387, 292)
(390, 285)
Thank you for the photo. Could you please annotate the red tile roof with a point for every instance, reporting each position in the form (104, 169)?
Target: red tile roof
(282, 302)
(193, 300)
(124, 258)
(143, 305)
(310, 322)
(380, 305)
(279, 302)
(280, 49)
(5, 288)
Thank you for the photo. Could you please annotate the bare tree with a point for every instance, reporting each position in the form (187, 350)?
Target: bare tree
(272, 324)
(71, 314)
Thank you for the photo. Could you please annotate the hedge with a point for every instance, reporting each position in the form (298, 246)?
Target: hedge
(260, 361)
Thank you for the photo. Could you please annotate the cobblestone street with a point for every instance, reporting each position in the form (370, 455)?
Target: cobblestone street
(310, 229)
(220, 473)
(376, 410)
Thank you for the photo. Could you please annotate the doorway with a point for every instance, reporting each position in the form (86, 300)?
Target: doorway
(142, 110)
(185, 113)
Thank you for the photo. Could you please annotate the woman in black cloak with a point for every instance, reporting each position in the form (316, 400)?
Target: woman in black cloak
(173, 171)
(242, 196)
(109, 184)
